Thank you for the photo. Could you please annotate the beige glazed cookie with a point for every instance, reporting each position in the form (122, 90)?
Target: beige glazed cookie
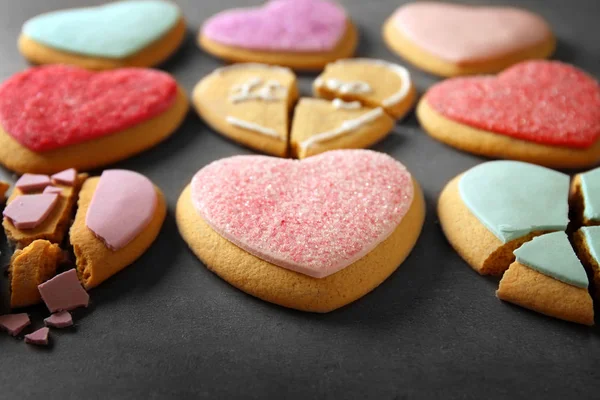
(317, 257)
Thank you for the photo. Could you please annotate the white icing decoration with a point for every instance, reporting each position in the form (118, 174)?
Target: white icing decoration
(347, 126)
(340, 104)
(271, 91)
(402, 73)
(352, 87)
(234, 67)
(240, 123)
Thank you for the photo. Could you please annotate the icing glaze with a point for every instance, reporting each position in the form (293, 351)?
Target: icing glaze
(66, 177)
(29, 211)
(39, 337)
(513, 199)
(314, 216)
(122, 206)
(346, 127)
(592, 240)
(64, 292)
(116, 30)
(32, 182)
(270, 91)
(249, 66)
(339, 104)
(14, 323)
(61, 319)
(351, 87)
(52, 189)
(280, 25)
(399, 70)
(553, 256)
(54, 106)
(251, 126)
(547, 102)
(462, 34)
(590, 189)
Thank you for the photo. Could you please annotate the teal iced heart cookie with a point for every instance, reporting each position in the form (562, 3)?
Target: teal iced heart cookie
(114, 31)
(513, 199)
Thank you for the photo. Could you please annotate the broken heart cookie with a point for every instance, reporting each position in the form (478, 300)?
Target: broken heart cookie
(321, 125)
(116, 35)
(249, 103)
(58, 117)
(542, 112)
(547, 277)
(451, 39)
(375, 83)
(119, 215)
(313, 235)
(300, 34)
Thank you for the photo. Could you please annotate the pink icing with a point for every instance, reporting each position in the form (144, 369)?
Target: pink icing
(30, 210)
(64, 292)
(123, 205)
(314, 216)
(60, 319)
(32, 182)
(66, 177)
(463, 34)
(14, 323)
(280, 25)
(39, 337)
(52, 189)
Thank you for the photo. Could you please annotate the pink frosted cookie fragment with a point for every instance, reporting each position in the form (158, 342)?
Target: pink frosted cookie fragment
(64, 292)
(30, 210)
(280, 25)
(32, 182)
(39, 337)
(52, 190)
(461, 34)
(66, 177)
(60, 319)
(14, 323)
(123, 205)
(314, 216)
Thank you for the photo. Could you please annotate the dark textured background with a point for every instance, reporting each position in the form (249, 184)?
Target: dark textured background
(168, 328)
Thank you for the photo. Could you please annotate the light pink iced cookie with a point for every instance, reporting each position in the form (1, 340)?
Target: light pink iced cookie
(450, 39)
(314, 234)
(302, 34)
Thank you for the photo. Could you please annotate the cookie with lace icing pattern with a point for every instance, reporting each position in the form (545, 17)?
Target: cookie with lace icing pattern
(116, 35)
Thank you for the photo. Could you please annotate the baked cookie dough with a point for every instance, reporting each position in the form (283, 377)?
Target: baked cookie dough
(543, 112)
(374, 83)
(450, 39)
(89, 119)
(119, 215)
(116, 35)
(321, 125)
(294, 234)
(300, 34)
(249, 103)
(3, 189)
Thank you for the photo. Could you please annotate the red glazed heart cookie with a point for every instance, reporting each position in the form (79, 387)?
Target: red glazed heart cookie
(54, 113)
(313, 234)
(538, 111)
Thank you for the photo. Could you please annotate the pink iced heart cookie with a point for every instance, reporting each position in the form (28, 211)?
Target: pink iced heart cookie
(450, 39)
(297, 33)
(325, 222)
(538, 111)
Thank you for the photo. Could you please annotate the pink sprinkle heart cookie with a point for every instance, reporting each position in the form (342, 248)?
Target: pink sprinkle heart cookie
(314, 234)
(451, 39)
(302, 34)
(543, 112)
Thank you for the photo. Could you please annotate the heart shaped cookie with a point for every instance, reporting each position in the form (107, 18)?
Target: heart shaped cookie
(249, 103)
(451, 39)
(321, 125)
(538, 111)
(115, 35)
(314, 234)
(375, 83)
(57, 117)
(302, 34)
